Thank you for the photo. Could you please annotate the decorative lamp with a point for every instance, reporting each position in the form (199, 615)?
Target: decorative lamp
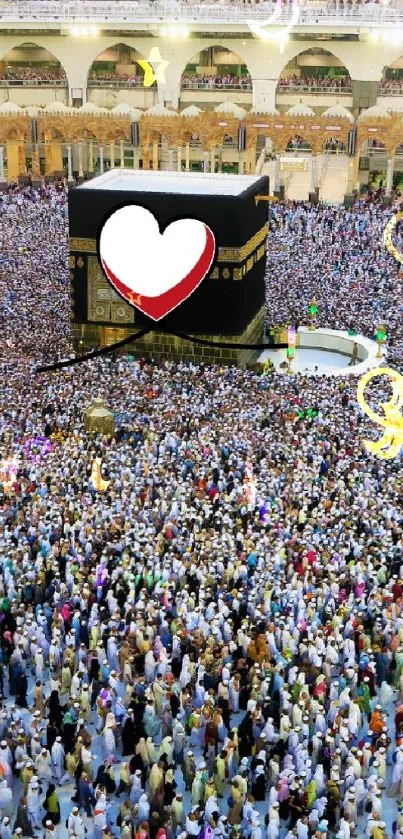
(292, 340)
(312, 311)
(380, 335)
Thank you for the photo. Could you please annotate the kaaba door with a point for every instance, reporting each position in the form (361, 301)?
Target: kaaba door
(111, 336)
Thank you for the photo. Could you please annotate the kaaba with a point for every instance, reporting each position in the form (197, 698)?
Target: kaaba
(228, 303)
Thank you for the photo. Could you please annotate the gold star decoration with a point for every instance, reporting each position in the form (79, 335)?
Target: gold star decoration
(154, 60)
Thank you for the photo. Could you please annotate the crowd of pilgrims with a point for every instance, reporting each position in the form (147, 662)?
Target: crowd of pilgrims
(213, 646)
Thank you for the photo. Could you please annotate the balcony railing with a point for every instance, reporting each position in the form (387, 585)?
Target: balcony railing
(33, 82)
(216, 86)
(121, 11)
(383, 92)
(331, 91)
(117, 83)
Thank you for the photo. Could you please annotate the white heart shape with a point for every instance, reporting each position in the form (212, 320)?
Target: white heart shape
(145, 261)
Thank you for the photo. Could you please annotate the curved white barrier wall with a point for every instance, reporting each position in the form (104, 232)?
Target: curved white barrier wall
(338, 341)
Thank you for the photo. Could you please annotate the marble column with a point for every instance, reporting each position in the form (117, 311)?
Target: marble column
(90, 158)
(36, 167)
(170, 159)
(314, 173)
(212, 160)
(69, 165)
(80, 161)
(56, 156)
(277, 174)
(146, 156)
(122, 155)
(187, 157)
(22, 160)
(112, 154)
(155, 157)
(179, 162)
(101, 159)
(2, 163)
(389, 176)
(252, 159)
(205, 161)
(13, 165)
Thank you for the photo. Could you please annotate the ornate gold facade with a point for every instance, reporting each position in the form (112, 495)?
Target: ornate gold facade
(281, 129)
(110, 132)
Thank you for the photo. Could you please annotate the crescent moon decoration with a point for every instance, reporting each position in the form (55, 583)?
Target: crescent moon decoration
(96, 476)
(279, 36)
(387, 237)
(391, 419)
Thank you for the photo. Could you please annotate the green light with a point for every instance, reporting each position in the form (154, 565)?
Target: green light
(313, 309)
(290, 352)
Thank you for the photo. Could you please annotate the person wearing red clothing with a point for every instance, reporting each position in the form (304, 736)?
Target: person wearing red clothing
(397, 590)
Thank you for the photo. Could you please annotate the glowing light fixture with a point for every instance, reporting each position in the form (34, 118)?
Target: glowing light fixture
(174, 32)
(84, 31)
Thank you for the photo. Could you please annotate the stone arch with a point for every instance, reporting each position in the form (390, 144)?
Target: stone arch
(37, 44)
(334, 140)
(52, 128)
(335, 53)
(310, 52)
(115, 135)
(142, 56)
(245, 83)
(13, 134)
(372, 143)
(294, 136)
(57, 135)
(397, 144)
(89, 134)
(391, 81)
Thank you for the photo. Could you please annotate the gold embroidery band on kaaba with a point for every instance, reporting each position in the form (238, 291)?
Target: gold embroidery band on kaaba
(240, 254)
(224, 254)
(83, 245)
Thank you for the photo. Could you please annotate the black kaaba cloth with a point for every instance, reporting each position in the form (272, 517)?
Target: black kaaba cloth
(233, 292)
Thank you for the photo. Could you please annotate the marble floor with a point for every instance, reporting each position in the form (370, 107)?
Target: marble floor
(307, 360)
(389, 806)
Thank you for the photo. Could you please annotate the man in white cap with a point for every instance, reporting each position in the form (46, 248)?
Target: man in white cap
(5, 829)
(33, 802)
(6, 759)
(6, 799)
(75, 824)
(50, 831)
(43, 766)
(345, 827)
(58, 758)
(256, 830)
(273, 826)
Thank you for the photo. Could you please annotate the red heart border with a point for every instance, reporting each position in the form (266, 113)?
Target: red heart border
(158, 307)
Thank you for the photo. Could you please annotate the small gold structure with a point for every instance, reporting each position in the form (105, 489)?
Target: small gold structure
(98, 419)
